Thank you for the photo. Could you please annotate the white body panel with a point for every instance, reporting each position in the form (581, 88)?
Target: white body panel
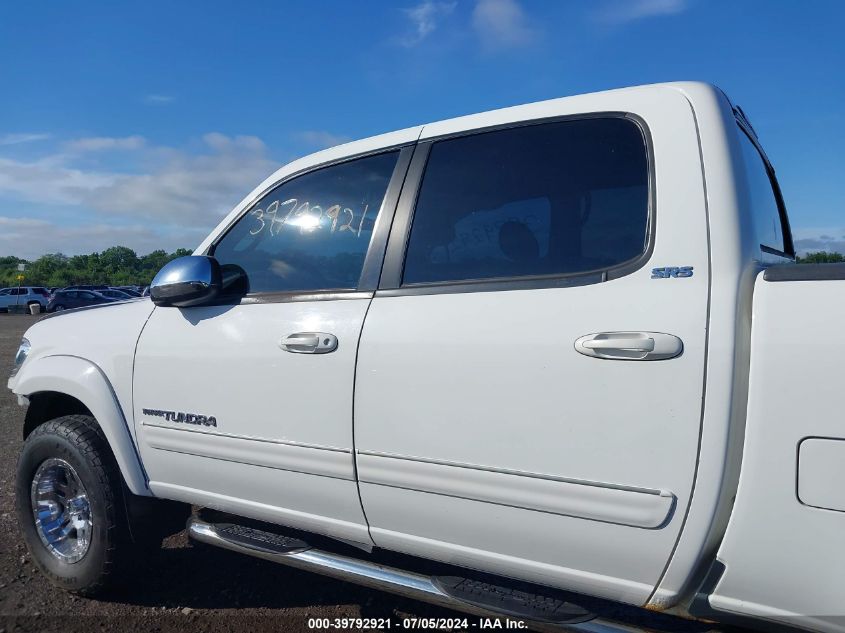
(732, 270)
(784, 559)
(282, 447)
(102, 340)
(488, 386)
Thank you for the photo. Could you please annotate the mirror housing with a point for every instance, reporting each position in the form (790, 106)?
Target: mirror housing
(186, 281)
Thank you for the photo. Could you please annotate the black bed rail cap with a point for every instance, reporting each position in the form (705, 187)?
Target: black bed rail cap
(805, 272)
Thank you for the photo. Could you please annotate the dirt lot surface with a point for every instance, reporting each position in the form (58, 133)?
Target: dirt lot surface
(182, 587)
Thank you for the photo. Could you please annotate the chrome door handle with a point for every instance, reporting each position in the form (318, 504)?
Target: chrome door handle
(630, 345)
(309, 343)
(625, 343)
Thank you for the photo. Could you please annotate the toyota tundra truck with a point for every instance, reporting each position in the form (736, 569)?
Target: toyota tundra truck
(544, 361)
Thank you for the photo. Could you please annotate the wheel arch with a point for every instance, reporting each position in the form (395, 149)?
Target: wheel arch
(48, 405)
(62, 385)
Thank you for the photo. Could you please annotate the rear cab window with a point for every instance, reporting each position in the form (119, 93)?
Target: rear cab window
(551, 199)
(765, 203)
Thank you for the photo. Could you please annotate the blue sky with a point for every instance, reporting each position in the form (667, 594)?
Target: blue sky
(142, 124)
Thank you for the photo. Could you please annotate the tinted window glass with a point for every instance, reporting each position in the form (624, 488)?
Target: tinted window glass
(310, 233)
(765, 214)
(547, 199)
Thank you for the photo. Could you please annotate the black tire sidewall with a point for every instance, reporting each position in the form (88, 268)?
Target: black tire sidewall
(86, 572)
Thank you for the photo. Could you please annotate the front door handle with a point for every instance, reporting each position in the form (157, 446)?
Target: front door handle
(309, 343)
(630, 345)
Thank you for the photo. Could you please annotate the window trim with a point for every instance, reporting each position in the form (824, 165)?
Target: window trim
(397, 246)
(788, 251)
(371, 269)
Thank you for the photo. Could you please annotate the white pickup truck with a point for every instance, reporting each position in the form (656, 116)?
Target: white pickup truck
(560, 353)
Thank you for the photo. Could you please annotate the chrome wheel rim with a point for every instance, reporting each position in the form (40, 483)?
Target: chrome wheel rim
(61, 510)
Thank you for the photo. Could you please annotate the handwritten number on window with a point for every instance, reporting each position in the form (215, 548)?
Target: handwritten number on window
(307, 217)
(259, 215)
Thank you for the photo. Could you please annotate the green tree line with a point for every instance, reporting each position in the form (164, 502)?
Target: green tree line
(115, 266)
(822, 257)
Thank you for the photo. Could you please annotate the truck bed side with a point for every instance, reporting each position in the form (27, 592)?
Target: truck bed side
(782, 554)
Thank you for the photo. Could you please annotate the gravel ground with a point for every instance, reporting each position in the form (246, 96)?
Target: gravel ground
(182, 587)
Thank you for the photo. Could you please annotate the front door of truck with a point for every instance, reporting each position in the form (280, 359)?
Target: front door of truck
(246, 405)
(529, 389)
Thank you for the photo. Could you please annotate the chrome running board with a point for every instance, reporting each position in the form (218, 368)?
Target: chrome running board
(397, 581)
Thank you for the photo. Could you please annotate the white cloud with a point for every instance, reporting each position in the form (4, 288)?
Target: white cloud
(424, 20)
(320, 138)
(190, 190)
(502, 24)
(811, 240)
(621, 12)
(31, 238)
(222, 143)
(17, 139)
(104, 143)
(171, 193)
(49, 181)
(154, 99)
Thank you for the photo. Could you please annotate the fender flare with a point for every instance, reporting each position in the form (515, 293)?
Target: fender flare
(84, 380)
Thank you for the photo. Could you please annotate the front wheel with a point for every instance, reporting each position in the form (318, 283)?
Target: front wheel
(69, 499)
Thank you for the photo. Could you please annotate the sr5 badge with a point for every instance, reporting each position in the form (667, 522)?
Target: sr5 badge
(671, 271)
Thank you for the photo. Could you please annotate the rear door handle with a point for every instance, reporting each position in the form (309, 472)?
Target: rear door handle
(630, 345)
(309, 343)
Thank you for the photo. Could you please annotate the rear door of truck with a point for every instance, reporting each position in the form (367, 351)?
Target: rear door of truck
(530, 374)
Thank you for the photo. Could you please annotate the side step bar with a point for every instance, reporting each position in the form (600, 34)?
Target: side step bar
(454, 593)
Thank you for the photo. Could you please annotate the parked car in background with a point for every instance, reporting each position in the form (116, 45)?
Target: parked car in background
(88, 287)
(25, 295)
(114, 293)
(130, 290)
(68, 299)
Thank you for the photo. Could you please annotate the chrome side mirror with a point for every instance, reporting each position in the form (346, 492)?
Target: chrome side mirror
(186, 281)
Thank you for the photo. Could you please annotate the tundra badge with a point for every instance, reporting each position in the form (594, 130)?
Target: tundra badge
(184, 418)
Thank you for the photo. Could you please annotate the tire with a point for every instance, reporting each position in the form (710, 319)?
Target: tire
(58, 308)
(64, 452)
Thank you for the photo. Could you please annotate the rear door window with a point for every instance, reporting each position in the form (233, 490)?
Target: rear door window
(556, 198)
